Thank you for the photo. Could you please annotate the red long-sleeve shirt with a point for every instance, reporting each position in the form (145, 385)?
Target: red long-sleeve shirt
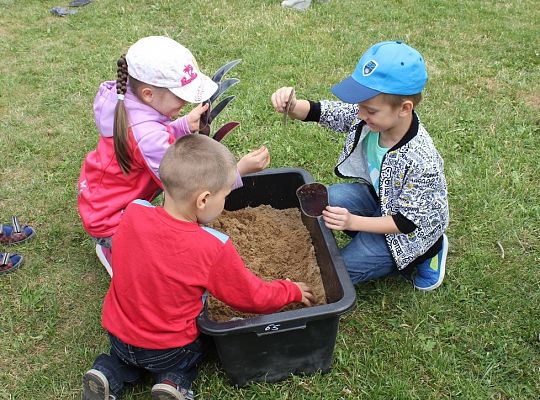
(162, 267)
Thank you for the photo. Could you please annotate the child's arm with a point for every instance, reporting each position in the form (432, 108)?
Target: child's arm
(188, 123)
(298, 109)
(233, 283)
(255, 161)
(340, 219)
(308, 298)
(334, 115)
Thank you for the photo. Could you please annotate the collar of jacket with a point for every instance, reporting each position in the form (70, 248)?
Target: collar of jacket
(411, 132)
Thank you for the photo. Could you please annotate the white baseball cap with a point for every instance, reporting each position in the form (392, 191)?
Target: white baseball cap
(161, 61)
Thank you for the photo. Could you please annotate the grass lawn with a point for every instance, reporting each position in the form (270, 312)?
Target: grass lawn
(474, 338)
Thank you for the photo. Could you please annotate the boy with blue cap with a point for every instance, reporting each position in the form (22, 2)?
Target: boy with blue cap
(397, 210)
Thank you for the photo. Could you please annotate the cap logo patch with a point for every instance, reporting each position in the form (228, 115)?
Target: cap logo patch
(188, 69)
(369, 67)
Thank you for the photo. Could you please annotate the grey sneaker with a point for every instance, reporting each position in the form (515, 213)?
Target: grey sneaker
(296, 4)
(96, 386)
(167, 390)
(105, 257)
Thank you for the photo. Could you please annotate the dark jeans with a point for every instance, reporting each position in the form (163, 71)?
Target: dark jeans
(126, 363)
(103, 241)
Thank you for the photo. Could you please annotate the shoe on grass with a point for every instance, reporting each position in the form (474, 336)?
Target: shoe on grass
(105, 257)
(15, 233)
(296, 4)
(96, 386)
(9, 262)
(430, 273)
(167, 390)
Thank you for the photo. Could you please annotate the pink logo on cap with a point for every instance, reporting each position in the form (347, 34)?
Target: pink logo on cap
(188, 69)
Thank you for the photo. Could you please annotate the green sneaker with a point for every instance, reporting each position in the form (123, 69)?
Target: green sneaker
(430, 274)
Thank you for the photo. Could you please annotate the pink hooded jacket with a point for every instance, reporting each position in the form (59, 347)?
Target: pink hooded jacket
(104, 191)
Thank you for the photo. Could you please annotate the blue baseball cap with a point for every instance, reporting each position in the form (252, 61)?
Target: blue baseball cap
(390, 67)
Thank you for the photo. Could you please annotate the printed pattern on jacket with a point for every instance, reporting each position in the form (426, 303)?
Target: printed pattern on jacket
(412, 181)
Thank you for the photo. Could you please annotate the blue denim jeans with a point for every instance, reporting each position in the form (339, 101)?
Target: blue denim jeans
(127, 364)
(366, 256)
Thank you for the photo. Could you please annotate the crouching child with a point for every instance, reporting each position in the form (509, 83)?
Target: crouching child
(165, 259)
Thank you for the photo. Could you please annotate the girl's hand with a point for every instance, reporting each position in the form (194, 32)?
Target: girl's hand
(255, 161)
(337, 218)
(194, 116)
(307, 294)
(280, 99)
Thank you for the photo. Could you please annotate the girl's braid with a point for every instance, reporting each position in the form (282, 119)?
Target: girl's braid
(120, 128)
(122, 75)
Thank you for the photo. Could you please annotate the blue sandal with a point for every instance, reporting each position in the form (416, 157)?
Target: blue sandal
(15, 233)
(10, 262)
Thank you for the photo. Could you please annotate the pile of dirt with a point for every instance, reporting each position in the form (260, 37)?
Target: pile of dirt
(274, 244)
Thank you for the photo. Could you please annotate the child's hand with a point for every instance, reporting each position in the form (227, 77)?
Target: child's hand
(280, 99)
(307, 294)
(255, 161)
(194, 116)
(337, 218)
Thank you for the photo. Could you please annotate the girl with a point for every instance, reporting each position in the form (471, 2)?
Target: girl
(134, 115)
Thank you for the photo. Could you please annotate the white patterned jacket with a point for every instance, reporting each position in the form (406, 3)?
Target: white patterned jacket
(412, 185)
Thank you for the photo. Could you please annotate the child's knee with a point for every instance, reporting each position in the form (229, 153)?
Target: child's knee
(367, 269)
(338, 195)
(359, 277)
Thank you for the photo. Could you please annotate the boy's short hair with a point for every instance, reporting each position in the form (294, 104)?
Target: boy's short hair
(396, 100)
(196, 163)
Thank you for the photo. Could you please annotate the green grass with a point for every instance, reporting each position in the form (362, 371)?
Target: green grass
(474, 338)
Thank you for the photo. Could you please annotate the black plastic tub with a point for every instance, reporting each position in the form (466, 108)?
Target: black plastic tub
(269, 348)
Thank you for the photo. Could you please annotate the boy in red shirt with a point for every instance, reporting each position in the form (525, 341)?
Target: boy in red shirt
(165, 260)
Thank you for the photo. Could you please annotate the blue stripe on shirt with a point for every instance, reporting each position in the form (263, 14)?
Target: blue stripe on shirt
(219, 235)
(143, 203)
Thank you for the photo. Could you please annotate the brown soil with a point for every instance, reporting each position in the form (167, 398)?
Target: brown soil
(274, 244)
